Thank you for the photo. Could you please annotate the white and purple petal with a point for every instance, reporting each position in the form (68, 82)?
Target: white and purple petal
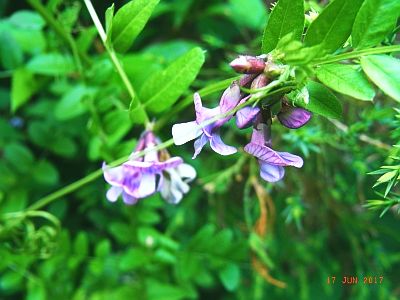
(246, 116)
(220, 147)
(185, 132)
(230, 98)
(273, 157)
(270, 172)
(199, 144)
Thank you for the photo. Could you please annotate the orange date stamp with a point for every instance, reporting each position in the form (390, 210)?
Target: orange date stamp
(351, 280)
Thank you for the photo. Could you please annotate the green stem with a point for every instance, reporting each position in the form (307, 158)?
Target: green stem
(355, 54)
(117, 64)
(58, 28)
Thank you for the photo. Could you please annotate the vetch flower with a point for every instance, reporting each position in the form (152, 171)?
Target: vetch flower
(141, 177)
(248, 64)
(185, 132)
(293, 117)
(271, 162)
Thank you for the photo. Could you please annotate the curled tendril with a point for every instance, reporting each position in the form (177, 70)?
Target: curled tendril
(33, 232)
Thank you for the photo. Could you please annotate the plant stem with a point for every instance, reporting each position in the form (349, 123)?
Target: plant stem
(57, 27)
(355, 54)
(117, 64)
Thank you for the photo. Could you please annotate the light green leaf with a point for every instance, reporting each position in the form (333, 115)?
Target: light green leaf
(333, 26)
(346, 79)
(230, 276)
(129, 21)
(109, 20)
(51, 64)
(23, 86)
(384, 71)
(239, 13)
(27, 19)
(71, 104)
(164, 88)
(375, 20)
(286, 17)
(322, 101)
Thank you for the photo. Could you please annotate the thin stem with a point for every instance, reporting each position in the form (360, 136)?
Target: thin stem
(356, 54)
(117, 64)
(58, 28)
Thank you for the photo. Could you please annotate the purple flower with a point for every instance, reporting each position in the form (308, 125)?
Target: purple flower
(185, 132)
(271, 161)
(293, 117)
(248, 64)
(141, 177)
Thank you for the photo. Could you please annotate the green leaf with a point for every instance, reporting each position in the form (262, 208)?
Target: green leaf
(51, 64)
(164, 88)
(23, 86)
(19, 156)
(109, 20)
(129, 21)
(10, 51)
(71, 104)
(286, 17)
(45, 173)
(239, 10)
(322, 101)
(27, 19)
(375, 20)
(346, 79)
(383, 70)
(230, 276)
(333, 26)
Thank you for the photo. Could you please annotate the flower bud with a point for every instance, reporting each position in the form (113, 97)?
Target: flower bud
(259, 82)
(248, 64)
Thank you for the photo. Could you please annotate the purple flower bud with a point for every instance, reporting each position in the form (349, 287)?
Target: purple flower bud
(259, 82)
(248, 64)
(246, 79)
(293, 117)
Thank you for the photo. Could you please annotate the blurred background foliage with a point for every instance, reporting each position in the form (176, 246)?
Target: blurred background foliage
(64, 111)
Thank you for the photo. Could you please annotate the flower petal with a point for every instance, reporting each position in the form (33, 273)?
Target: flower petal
(220, 147)
(113, 193)
(199, 144)
(246, 116)
(114, 176)
(273, 157)
(230, 98)
(146, 187)
(128, 199)
(294, 117)
(185, 132)
(270, 172)
(187, 172)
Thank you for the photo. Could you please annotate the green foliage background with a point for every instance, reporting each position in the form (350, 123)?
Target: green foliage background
(64, 110)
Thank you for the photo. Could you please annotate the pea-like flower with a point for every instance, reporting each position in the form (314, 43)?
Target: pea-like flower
(141, 177)
(185, 132)
(293, 117)
(271, 162)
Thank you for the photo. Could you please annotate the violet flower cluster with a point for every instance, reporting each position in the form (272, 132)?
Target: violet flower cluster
(156, 171)
(259, 71)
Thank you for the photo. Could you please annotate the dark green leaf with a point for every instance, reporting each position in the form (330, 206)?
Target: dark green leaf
(383, 70)
(322, 101)
(129, 21)
(45, 173)
(375, 20)
(286, 17)
(71, 104)
(164, 88)
(10, 51)
(333, 26)
(346, 79)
